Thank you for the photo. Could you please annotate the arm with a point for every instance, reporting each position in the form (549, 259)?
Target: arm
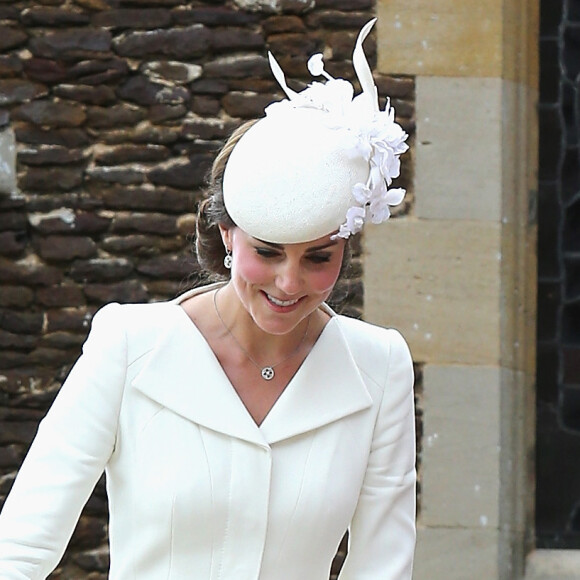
(66, 459)
(382, 532)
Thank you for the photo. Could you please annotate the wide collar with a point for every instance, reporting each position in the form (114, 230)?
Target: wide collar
(182, 373)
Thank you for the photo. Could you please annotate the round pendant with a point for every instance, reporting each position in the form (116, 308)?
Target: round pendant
(267, 373)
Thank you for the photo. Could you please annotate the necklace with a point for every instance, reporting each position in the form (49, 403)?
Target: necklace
(267, 372)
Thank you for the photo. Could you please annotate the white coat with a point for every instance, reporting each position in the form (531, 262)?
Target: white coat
(196, 489)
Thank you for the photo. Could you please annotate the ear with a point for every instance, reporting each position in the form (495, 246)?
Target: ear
(226, 235)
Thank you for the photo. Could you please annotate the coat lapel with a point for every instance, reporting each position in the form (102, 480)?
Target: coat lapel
(182, 373)
(326, 388)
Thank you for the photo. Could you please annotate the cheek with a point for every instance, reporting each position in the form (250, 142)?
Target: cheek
(324, 281)
(250, 268)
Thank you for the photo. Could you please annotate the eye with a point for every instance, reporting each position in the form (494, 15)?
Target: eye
(319, 258)
(267, 252)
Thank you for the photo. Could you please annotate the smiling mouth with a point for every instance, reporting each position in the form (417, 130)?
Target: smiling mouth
(281, 302)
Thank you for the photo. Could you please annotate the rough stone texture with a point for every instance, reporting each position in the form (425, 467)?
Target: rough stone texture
(192, 41)
(118, 108)
(17, 91)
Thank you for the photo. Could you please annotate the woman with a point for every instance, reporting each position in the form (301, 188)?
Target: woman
(244, 426)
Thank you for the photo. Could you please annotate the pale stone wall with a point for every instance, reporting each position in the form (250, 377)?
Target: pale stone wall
(457, 274)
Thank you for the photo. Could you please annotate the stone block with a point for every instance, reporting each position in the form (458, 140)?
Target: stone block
(13, 243)
(461, 446)
(237, 67)
(167, 267)
(52, 16)
(130, 174)
(28, 272)
(118, 115)
(279, 24)
(17, 341)
(123, 292)
(63, 295)
(456, 554)
(52, 179)
(213, 15)
(151, 18)
(101, 269)
(438, 282)
(10, 64)
(96, 72)
(75, 43)
(553, 565)
(19, 296)
(143, 91)
(68, 320)
(292, 43)
(62, 340)
(65, 220)
(162, 199)
(101, 95)
(51, 114)
(12, 220)
(182, 173)
(205, 106)
(50, 155)
(275, 6)
(446, 38)
(66, 248)
(336, 19)
(127, 153)
(175, 72)
(191, 41)
(19, 91)
(246, 105)
(458, 172)
(11, 37)
(21, 322)
(45, 70)
(232, 38)
(34, 135)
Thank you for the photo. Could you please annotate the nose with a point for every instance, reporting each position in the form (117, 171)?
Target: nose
(289, 278)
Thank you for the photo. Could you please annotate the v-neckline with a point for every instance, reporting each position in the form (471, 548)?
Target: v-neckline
(178, 301)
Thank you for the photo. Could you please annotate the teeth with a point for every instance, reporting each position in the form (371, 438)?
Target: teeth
(281, 302)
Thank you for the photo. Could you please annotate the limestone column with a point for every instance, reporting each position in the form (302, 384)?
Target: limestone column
(457, 275)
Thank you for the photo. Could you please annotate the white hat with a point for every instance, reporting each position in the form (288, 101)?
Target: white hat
(319, 162)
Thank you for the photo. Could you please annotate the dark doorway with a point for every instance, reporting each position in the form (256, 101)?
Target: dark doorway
(558, 363)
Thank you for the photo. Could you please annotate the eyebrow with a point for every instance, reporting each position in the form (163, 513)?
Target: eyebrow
(308, 250)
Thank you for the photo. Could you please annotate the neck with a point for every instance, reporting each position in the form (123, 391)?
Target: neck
(236, 323)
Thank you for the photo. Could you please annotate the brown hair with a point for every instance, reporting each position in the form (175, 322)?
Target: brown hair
(212, 213)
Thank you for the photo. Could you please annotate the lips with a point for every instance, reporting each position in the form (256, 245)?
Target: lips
(278, 302)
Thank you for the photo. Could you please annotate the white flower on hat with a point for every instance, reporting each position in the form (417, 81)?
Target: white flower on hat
(355, 220)
(376, 136)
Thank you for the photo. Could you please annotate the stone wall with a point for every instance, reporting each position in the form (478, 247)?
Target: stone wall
(461, 288)
(117, 108)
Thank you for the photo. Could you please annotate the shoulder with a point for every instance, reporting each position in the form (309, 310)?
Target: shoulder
(364, 337)
(377, 351)
(137, 317)
(139, 326)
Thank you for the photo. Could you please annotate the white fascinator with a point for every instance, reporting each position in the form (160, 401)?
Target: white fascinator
(320, 162)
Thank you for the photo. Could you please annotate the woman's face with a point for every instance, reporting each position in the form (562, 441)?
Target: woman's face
(281, 284)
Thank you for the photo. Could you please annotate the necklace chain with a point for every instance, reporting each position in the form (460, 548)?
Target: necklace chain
(267, 372)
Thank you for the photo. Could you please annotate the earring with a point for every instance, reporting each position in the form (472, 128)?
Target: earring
(228, 259)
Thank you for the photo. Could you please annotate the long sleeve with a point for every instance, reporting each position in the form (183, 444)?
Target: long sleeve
(72, 446)
(382, 532)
